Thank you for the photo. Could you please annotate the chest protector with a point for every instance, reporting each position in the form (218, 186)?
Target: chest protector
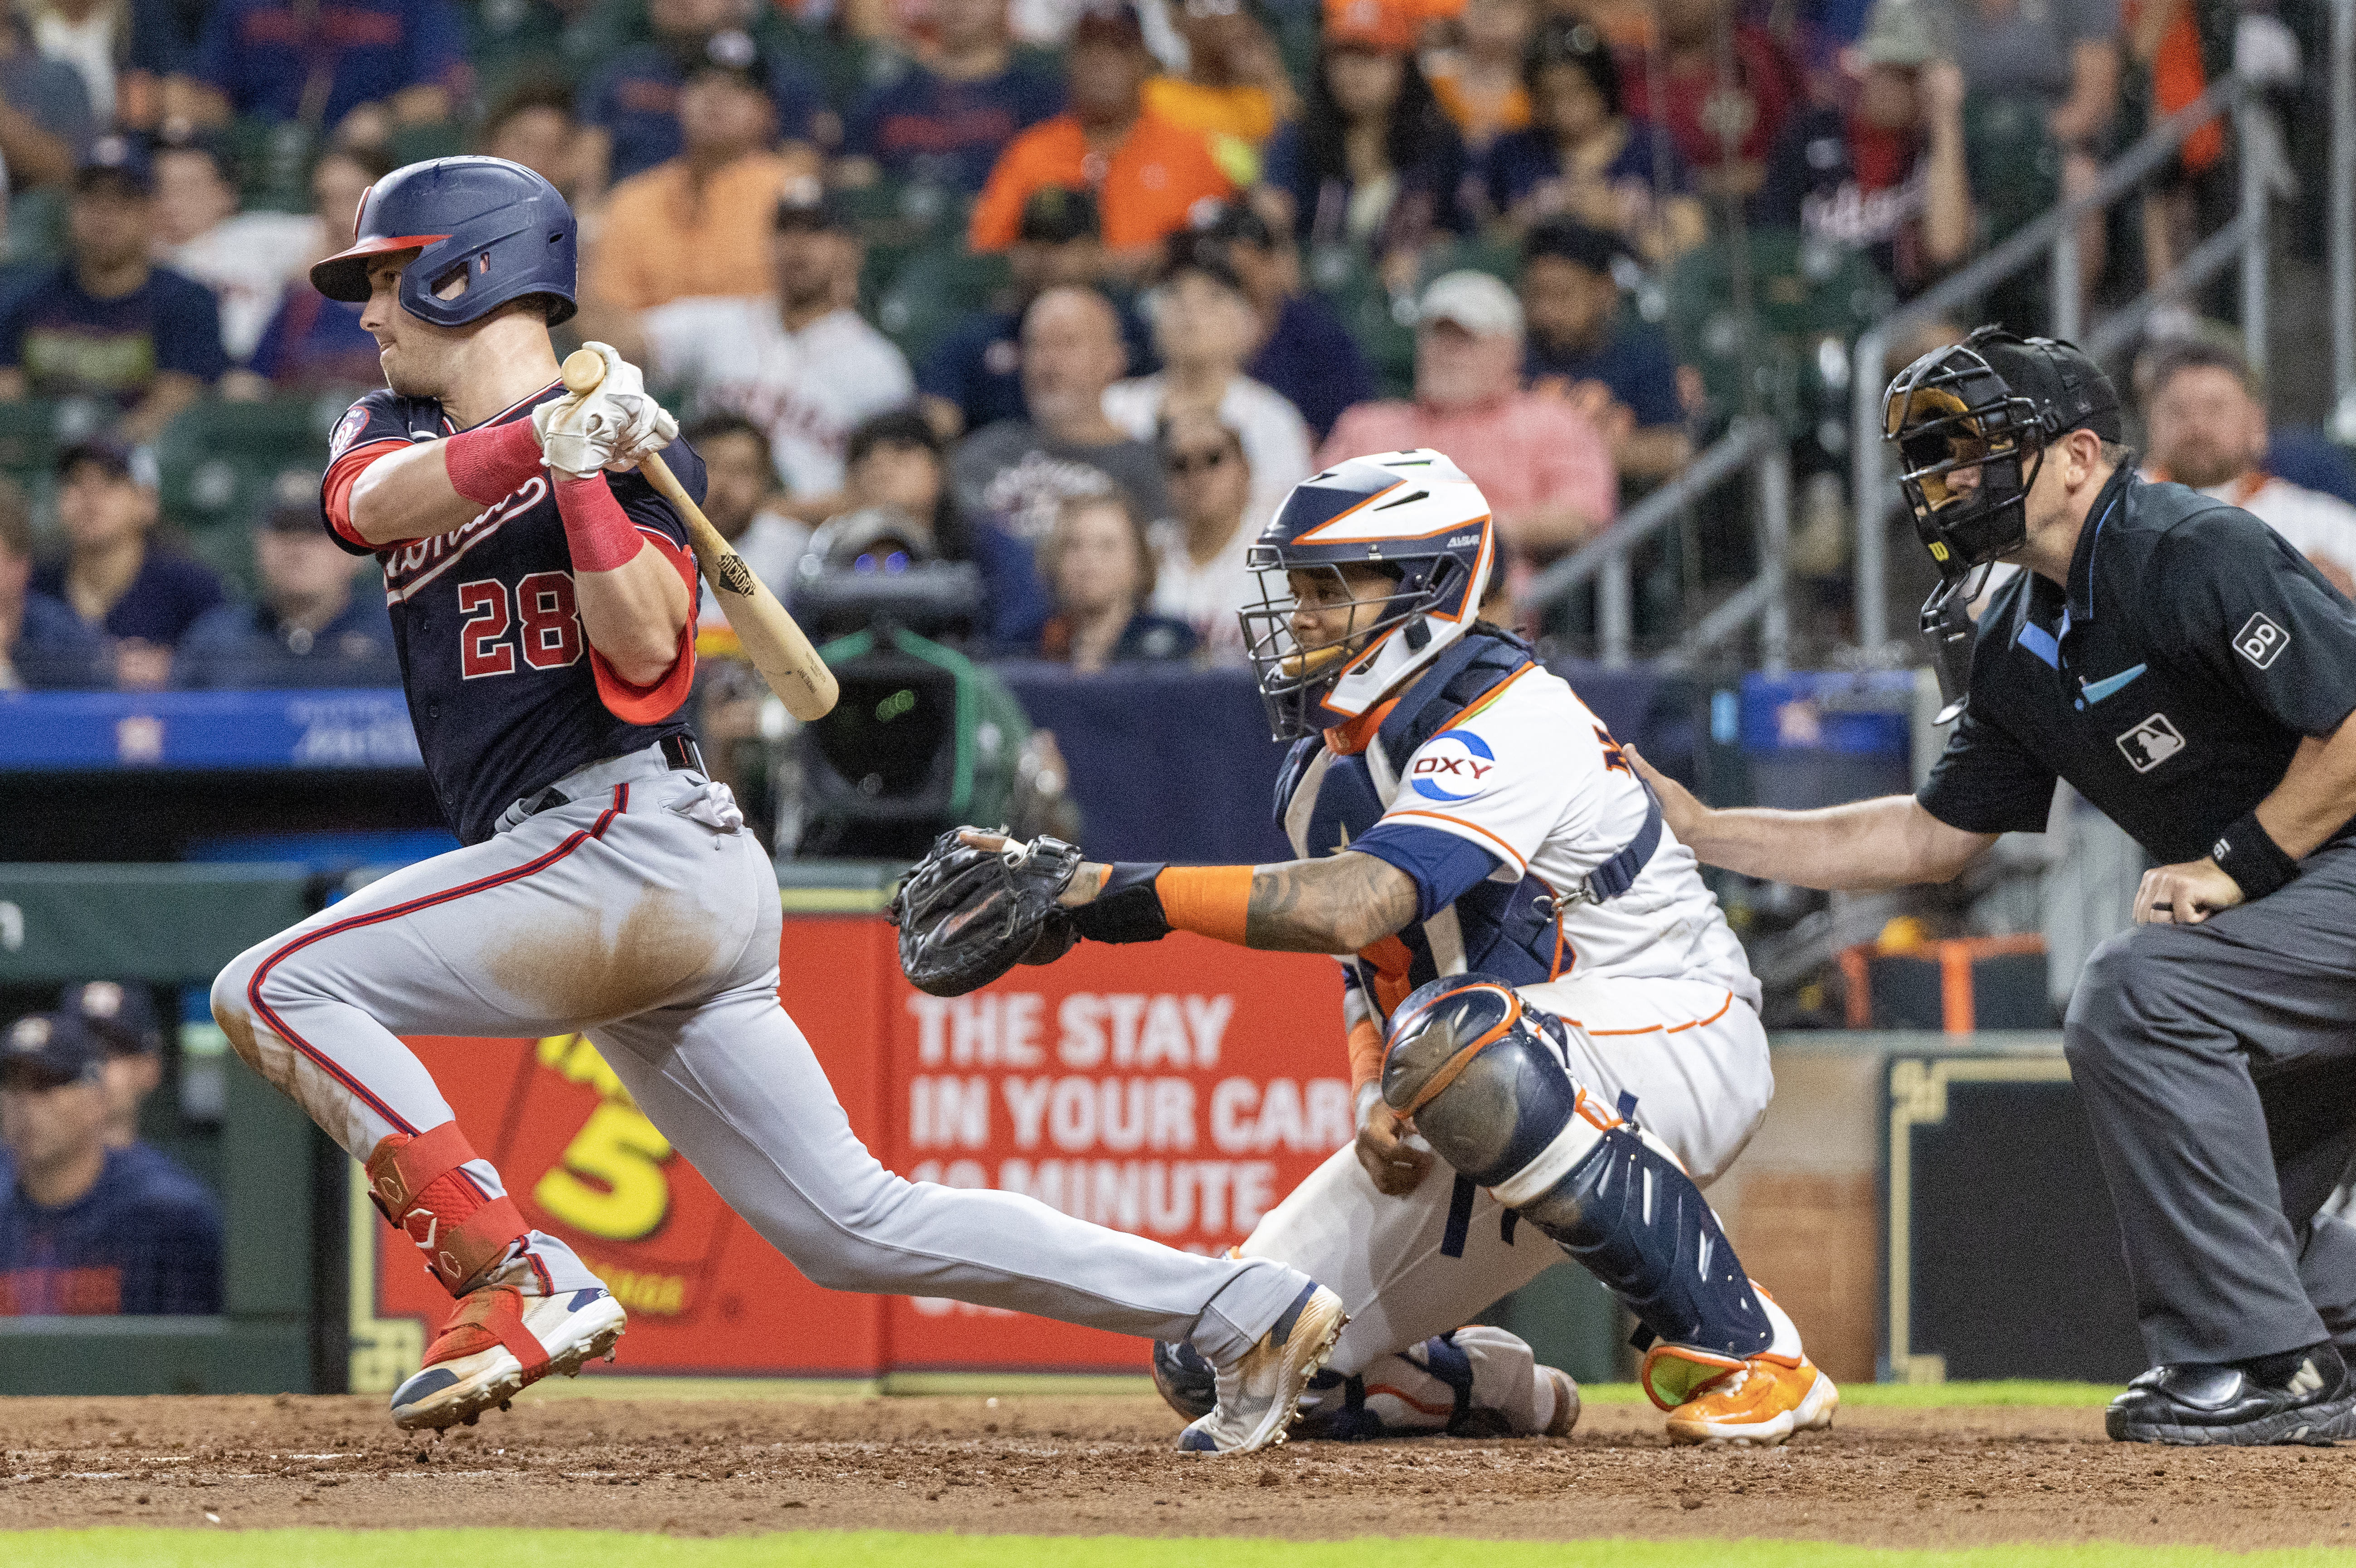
(1510, 930)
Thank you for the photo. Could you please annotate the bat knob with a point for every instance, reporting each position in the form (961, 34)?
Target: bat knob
(582, 371)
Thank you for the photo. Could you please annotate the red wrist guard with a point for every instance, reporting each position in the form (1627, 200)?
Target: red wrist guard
(600, 534)
(490, 464)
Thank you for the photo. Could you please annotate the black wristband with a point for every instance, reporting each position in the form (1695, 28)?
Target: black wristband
(2246, 853)
(1127, 908)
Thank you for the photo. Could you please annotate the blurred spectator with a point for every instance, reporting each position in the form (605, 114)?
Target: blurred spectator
(1479, 82)
(313, 343)
(1019, 472)
(698, 224)
(86, 1230)
(740, 479)
(90, 36)
(973, 376)
(359, 69)
(1888, 175)
(42, 642)
(2208, 428)
(122, 1019)
(1203, 325)
(1201, 577)
(1099, 569)
(46, 123)
(946, 119)
(636, 103)
(311, 625)
(1723, 129)
(1146, 174)
(1617, 370)
(1583, 158)
(247, 258)
(164, 37)
(793, 359)
(1235, 90)
(1546, 470)
(535, 125)
(1372, 164)
(107, 323)
(114, 575)
(1302, 350)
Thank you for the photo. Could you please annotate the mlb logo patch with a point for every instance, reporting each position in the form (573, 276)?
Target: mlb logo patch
(2260, 640)
(2150, 744)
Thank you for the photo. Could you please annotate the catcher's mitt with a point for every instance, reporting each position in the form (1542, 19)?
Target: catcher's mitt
(968, 915)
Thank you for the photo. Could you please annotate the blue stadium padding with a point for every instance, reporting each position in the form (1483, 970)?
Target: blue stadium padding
(80, 730)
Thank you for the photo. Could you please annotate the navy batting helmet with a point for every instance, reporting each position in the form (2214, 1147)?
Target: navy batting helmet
(497, 226)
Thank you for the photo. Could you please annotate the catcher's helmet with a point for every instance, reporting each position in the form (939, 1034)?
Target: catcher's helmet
(497, 224)
(1987, 406)
(1411, 514)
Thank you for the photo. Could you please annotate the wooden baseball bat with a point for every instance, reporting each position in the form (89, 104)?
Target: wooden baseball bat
(776, 646)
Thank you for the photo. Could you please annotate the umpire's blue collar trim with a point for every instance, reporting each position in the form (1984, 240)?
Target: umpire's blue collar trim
(2082, 562)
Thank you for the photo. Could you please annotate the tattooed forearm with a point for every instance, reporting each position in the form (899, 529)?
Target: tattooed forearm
(1335, 905)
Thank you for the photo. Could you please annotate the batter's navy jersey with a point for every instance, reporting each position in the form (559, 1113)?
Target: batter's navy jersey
(505, 692)
(2169, 681)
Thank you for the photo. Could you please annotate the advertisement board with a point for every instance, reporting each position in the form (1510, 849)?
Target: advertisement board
(1176, 1089)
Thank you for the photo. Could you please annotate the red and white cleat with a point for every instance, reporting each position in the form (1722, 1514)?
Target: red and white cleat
(498, 1342)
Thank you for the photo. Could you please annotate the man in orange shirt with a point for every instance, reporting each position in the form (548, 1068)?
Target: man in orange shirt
(698, 224)
(1147, 173)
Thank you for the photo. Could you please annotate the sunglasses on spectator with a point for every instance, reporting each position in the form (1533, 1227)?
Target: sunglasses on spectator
(1184, 462)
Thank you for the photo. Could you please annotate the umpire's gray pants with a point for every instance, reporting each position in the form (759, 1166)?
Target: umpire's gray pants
(2217, 1063)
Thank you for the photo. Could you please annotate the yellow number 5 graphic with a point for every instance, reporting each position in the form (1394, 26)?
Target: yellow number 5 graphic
(620, 1149)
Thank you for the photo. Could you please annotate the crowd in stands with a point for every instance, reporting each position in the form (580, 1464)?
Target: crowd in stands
(1078, 288)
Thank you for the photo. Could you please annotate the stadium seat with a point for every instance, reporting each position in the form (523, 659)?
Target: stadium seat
(1810, 299)
(1383, 326)
(931, 291)
(273, 159)
(218, 461)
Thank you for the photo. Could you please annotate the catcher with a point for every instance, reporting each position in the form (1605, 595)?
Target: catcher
(1540, 990)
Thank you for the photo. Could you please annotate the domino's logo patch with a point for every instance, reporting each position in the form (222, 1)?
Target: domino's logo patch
(1454, 765)
(2260, 640)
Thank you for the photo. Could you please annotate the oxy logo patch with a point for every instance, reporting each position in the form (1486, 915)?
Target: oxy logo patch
(2261, 640)
(2151, 742)
(1454, 764)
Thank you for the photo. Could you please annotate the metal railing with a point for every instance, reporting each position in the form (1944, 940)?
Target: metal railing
(2054, 236)
(1755, 444)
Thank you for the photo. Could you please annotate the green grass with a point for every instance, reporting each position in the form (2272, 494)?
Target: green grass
(885, 1549)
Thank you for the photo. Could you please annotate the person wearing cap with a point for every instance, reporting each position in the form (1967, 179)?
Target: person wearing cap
(43, 644)
(88, 1230)
(1615, 368)
(312, 625)
(107, 323)
(143, 596)
(122, 1018)
(2193, 679)
(1886, 175)
(247, 258)
(1373, 165)
(381, 63)
(1582, 156)
(1205, 326)
(1147, 173)
(634, 104)
(1543, 466)
(947, 117)
(1302, 350)
(794, 357)
(697, 225)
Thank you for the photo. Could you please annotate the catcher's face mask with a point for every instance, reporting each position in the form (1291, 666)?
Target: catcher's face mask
(1969, 451)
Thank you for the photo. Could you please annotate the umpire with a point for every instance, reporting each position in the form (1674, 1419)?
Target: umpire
(2193, 676)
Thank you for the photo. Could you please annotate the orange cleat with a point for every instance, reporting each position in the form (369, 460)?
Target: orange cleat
(1757, 1405)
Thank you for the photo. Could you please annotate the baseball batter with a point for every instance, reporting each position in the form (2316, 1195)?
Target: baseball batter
(1541, 991)
(543, 599)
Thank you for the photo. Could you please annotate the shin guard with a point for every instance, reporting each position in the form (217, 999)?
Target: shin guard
(419, 1189)
(1494, 1099)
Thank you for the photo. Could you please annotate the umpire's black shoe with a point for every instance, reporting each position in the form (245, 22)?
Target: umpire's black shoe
(2300, 1396)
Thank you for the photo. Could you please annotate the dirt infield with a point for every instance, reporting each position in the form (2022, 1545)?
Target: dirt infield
(1946, 1478)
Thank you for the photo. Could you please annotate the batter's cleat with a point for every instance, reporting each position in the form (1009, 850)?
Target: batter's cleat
(498, 1342)
(1566, 1401)
(2306, 1396)
(1757, 1405)
(1187, 1384)
(1259, 1394)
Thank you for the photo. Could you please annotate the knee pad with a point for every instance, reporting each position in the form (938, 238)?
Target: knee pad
(417, 1186)
(1492, 1096)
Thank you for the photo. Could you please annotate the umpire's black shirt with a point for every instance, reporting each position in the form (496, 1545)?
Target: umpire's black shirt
(2170, 683)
